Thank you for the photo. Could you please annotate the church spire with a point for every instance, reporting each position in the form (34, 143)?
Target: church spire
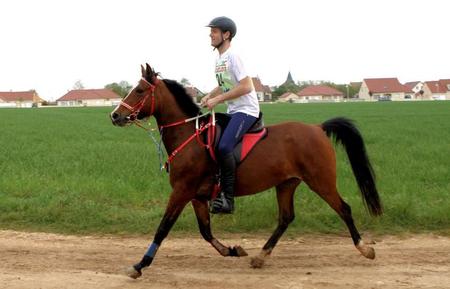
(289, 79)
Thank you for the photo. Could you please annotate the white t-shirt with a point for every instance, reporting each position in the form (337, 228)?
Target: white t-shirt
(229, 71)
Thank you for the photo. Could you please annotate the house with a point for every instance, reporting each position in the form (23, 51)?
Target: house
(262, 91)
(289, 97)
(20, 99)
(320, 93)
(89, 97)
(417, 89)
(373, 89)
(439, 90)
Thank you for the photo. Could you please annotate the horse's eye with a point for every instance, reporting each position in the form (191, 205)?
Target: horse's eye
(138, 90)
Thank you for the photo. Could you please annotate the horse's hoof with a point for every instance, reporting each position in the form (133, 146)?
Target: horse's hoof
(366, 251)
(257, 262)
(236, 251)
(370, 253)
(133, 273)
(240, 251)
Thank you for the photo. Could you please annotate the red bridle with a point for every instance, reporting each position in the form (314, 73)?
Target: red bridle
(138, 106)
(198, 131)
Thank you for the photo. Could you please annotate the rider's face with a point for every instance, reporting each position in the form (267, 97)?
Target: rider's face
(216, 36)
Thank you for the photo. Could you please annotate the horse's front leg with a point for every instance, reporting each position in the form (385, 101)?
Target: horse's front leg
(202, 213)
(175, 206)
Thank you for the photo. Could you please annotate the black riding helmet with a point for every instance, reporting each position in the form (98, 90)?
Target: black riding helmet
(224, 24)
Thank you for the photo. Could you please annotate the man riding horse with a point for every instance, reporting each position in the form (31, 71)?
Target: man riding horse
(235, 88)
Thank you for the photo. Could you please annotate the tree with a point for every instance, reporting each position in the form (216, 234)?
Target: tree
(78, 85)
(289, 87)
(122, 88)
(185, 82)
(278, 91)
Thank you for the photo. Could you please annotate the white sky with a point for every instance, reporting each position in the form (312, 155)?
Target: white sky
(49, 45)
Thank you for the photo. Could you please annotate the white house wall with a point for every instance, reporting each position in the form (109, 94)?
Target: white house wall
(90, 102)
(24, 104)
(260, 95)
(364, 91)
(7, 104)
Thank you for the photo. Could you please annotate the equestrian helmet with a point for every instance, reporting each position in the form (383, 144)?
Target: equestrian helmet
(224, 24)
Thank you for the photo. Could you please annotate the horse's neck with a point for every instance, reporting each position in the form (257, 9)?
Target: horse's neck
(169, 113)
(173, 137)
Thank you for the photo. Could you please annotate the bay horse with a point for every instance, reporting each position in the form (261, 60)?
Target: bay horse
(292, 152)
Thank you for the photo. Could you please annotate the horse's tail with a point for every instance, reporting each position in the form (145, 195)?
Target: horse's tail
(345, 132)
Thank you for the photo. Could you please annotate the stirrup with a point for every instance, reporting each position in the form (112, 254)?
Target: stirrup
(222, 205)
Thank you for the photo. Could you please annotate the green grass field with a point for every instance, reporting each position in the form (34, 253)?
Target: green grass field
(69, 170)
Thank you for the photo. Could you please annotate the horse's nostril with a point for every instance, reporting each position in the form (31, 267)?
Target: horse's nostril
(114, 115)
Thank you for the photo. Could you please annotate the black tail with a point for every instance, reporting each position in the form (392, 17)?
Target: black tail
(345, 132)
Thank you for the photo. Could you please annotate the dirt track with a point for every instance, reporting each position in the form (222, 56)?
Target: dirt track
(38, 260)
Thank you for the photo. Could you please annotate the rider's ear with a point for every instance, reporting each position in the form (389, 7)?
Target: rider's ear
(143, 71)
(227, 36)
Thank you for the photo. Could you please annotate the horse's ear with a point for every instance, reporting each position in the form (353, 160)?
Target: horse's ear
(143, 71)
(149, 70)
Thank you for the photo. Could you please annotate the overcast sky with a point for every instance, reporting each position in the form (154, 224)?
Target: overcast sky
(49, 45)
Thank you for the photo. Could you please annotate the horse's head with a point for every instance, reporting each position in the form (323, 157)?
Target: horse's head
(140, 101)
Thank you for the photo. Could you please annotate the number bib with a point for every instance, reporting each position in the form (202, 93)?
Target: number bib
(223, 76)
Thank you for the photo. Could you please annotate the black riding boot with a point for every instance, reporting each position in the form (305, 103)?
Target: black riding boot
(224, 203)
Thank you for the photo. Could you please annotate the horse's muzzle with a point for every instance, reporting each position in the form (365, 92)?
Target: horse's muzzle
(118, 120)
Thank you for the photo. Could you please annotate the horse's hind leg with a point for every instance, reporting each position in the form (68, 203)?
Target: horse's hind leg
(326, 189)
(202, 213)
(346, 214)
(285, 197)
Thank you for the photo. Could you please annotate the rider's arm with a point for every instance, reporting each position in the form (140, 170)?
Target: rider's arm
(215, 92)
(244, 86)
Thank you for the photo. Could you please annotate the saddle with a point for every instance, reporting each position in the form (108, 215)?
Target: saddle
(256, 133)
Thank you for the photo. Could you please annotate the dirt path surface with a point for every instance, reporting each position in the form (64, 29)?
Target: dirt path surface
(40, 260)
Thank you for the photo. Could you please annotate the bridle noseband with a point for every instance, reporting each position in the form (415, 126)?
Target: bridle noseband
(138, 106)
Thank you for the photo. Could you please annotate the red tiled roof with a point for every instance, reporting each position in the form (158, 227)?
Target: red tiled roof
(445, 83)
(287, 94)
(411, 84)
(80, 94)
(319, 90)
(433, 86)
(385, 85)
(20, 96)
(440, 86)
(259, 86)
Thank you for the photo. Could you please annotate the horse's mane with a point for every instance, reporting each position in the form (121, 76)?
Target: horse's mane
(184, 100)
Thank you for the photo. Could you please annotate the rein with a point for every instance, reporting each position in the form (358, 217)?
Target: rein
(199, 128)
(198, 131)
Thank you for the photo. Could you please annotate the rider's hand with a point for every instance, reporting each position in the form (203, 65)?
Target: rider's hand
(212, 102)
(204, 100)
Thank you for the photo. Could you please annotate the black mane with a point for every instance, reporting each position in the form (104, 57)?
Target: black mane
(184, 100)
